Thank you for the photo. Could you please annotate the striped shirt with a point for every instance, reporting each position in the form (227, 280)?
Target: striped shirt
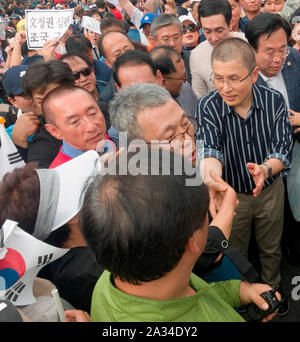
(265, 133)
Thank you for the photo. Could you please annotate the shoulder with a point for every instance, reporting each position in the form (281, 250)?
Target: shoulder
(101, 68)
(239, 35)
(212, 99)
(202, 48)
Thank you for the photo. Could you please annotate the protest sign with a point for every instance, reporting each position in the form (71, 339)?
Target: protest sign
(43, 25)
(91, 24)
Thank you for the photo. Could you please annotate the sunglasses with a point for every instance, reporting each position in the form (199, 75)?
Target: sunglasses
(190, 27)
(85, 72)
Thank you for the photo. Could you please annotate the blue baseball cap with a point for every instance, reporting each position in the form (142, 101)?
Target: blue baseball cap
(12, 80)
(147, 19)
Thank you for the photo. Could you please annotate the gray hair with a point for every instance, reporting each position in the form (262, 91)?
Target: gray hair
(132, 100)
(163, 20)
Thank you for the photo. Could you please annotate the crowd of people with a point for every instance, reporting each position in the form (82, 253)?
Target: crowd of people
(144, 245)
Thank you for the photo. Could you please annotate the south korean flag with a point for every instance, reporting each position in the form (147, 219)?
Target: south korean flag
(10, 158)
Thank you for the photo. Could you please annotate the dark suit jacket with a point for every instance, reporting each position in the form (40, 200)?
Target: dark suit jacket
(291, 76)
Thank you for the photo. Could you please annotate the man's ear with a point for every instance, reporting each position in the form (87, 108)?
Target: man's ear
(12, 101)
(160, 78)
(107, 62)
(255, 74)
(53, 130)
(194, 245)
(152, 40)
(117, 86)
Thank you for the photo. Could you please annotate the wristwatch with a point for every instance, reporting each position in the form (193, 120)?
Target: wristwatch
(269, 169)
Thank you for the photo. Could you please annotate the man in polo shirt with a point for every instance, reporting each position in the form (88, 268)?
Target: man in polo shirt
(248, 139)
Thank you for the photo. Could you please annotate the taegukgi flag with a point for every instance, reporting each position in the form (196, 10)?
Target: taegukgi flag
(21, 258)
(10, 158)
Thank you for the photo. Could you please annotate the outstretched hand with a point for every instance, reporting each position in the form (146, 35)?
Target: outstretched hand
(258, 174)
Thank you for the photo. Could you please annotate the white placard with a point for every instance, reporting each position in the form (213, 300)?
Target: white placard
(43, 25)
(91, 24)
(22, 257)
(113, 2)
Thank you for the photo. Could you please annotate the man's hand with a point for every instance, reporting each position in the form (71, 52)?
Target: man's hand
(295, 120)
(225, 202)
(218, 189)
(77, 316)
(259, 175)
(20, 38)
(48, 50)
(25, 126)
(250, 293)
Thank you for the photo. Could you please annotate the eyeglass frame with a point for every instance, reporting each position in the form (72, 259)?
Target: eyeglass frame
(231, 82)
(192, 121)
(184, 79)
(76, 74)
(274, 54)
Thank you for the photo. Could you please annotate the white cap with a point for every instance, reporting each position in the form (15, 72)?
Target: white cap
(183, 18)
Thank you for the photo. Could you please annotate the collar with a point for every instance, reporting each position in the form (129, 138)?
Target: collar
(70, 151)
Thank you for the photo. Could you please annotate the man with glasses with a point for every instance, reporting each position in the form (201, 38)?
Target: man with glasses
(279, 68)
(247, 140)
(278, 65)
(171, 67)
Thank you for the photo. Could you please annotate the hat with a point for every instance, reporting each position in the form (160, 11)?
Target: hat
(15, 16)
(147, 19)
(183, 18)
(61, 192)
(12, 80)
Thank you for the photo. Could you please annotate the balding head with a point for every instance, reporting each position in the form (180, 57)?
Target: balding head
(112, 44)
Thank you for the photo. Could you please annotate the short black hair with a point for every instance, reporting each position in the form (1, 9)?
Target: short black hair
(207, 8)
(265, 23)
(109, 22)
(76, 54)
(39, 75)
(138, 225)
(78, 43)
(131, 58)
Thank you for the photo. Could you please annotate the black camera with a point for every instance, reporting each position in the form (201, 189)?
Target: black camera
(253, 313)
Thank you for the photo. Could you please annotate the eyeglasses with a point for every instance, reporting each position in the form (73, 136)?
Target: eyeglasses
(85, 72)
(182, 78)
(190, 27)
(191, 130)
(280, 54)
(219, 81)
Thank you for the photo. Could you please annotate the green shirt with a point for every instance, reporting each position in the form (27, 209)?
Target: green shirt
(212, 303)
